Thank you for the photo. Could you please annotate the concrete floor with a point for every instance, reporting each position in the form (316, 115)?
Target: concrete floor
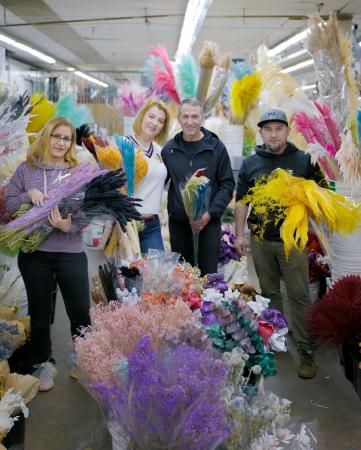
(67, 418)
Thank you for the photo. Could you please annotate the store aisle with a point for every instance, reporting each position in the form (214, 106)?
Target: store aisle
(67, 418)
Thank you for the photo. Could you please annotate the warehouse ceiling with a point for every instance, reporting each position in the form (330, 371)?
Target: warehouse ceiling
(116, 35)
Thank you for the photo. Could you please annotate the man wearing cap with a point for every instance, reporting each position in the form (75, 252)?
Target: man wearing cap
(268, 254)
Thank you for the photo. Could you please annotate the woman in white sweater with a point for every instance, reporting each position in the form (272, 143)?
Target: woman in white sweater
(150, 133)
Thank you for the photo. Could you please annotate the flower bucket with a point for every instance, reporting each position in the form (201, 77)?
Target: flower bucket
(346, 250)
(233, 140)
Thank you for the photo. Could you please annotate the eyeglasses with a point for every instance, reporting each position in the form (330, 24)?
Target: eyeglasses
(58, 138)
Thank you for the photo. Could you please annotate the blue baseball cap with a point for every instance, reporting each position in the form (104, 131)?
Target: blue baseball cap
(273, 115)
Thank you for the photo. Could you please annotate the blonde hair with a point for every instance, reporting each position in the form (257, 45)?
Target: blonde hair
(40, 146)
(162, 137)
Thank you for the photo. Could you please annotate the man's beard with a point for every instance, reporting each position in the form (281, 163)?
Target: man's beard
(273, 148)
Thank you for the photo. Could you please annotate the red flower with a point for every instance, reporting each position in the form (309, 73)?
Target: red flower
(194, 300)
(266, 330)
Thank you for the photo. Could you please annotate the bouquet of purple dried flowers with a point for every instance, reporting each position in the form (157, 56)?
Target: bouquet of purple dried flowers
(228, 250)
(166, 399)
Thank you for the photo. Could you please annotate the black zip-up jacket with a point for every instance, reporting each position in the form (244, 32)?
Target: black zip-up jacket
(213, 157)
(263, 163)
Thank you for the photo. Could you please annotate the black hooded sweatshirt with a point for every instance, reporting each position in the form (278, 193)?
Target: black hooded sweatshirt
(295, 161)
(211, 155)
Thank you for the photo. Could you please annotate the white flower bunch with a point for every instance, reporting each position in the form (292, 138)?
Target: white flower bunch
(10, 403)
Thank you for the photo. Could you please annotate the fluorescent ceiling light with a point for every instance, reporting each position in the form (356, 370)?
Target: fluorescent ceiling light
(70, 69)
(308, 87)
(89, 78)
(27, 49)
(288, 42)
(193, 20)
(292, 56)
(299, 66)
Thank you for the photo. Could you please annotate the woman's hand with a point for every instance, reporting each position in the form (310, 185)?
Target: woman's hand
(58, 222)
(36, 196)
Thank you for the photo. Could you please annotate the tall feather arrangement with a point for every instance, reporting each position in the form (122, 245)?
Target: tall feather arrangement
(315, 132)
(325, 43)
(279, 90)
(128, 156)
(328, 165)
(14, 120)
(336, 318)
(132, 97)
(164, 80)
(292, 201)
(219, 82)
(244, 94)
(187, 76)
(348, 158)
(331, 124)
(109, 157)
(240, 69)
(148, 71)
(42, 110)
(68, 107)
(207, 61)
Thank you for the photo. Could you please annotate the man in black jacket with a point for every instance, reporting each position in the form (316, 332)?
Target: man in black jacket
(268, 254)
(191, 149)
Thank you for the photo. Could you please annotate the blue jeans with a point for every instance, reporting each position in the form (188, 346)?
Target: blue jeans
(151, 236)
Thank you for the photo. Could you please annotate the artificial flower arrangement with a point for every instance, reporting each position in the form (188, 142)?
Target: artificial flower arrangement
(166, 371)
(85, 192)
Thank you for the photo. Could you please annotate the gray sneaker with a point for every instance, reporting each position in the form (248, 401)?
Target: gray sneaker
(45, 372)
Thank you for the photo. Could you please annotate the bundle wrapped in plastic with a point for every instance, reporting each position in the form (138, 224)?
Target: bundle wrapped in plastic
(157, 392)
(158, 274)
(85, 192)
(196, 195)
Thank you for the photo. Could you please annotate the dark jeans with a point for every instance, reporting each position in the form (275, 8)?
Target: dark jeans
(70, 270)
(151, 236)
(181, 241)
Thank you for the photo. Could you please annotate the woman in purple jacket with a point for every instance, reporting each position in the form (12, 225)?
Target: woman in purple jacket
(61, 255)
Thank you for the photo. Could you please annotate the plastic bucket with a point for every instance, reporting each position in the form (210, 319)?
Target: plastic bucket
(233, 140)
(346, 257)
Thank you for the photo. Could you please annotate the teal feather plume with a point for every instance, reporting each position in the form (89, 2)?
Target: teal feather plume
(187, 75)
(77, 114)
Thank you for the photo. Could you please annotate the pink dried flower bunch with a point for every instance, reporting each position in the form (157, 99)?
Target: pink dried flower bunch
(116, 330)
